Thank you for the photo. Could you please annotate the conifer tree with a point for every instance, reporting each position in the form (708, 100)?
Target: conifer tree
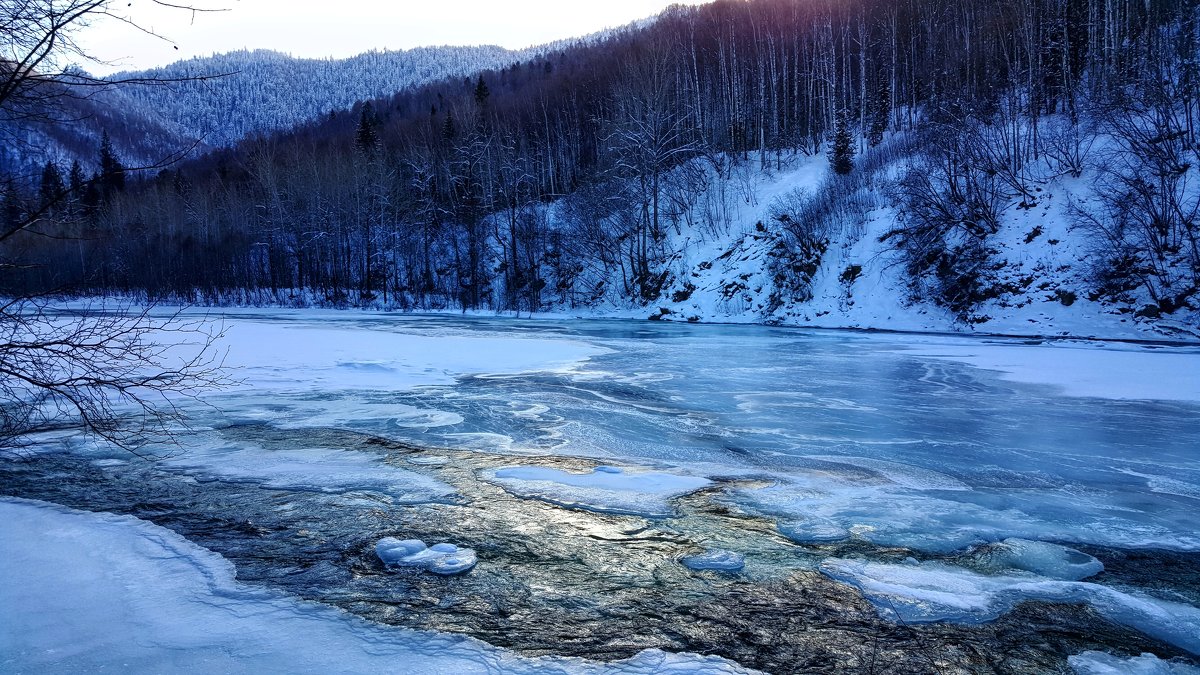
(842, 154)
(481, 92)
(76, 184)
(51, 189)
(366, 139)
(112, 171)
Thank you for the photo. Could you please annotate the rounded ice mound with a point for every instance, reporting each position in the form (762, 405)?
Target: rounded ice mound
(1045, 559)
(608, 469)
(457, 563)
(393, 551)
(812, 530)
(726, 561)
(444, 559)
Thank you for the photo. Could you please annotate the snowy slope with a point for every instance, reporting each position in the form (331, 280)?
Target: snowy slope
(861, 281)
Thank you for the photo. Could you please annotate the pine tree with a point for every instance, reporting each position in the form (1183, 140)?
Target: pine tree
(481, 93)
(76, 184)
(51, 189)
(112, 171)
(366, 139)
(842, 154)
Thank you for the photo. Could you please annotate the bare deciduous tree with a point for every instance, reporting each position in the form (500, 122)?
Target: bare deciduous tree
(117, 372)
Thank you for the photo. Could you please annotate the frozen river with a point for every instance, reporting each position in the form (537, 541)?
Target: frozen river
(957, 486)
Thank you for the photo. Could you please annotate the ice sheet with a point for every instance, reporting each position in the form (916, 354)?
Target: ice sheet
(937, 592)
(1088, 370)
(307, 356)
(313, 469)
(608, 489)
(1099, 663)
(89, 592)
(829, 507)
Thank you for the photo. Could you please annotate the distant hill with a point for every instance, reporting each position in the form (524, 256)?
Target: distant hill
(260, 91)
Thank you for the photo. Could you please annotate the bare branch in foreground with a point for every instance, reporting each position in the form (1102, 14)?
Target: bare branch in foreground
(118, 373)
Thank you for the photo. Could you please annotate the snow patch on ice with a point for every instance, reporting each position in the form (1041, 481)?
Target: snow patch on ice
(933, 591)
(606, 488)
(1099, 663)
(1083, 370)
(302, 356)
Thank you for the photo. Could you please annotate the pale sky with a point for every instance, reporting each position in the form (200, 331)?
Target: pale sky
(320, 28)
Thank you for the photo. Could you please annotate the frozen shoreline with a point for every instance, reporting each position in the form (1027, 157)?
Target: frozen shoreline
(102, 591)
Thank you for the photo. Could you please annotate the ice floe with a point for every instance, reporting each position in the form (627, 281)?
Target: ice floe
(934, 591)
(606, 488)
(309, 469)
(1100, 663)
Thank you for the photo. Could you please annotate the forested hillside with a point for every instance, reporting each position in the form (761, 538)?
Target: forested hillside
(218, 100)
(943, 163)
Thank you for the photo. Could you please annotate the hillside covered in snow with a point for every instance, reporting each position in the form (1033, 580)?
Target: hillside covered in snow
(764, 161)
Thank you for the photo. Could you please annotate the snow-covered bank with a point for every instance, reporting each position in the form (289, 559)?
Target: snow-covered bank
(727, 257)
(86, 592)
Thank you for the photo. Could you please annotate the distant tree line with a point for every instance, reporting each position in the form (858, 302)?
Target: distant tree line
(558, 179)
